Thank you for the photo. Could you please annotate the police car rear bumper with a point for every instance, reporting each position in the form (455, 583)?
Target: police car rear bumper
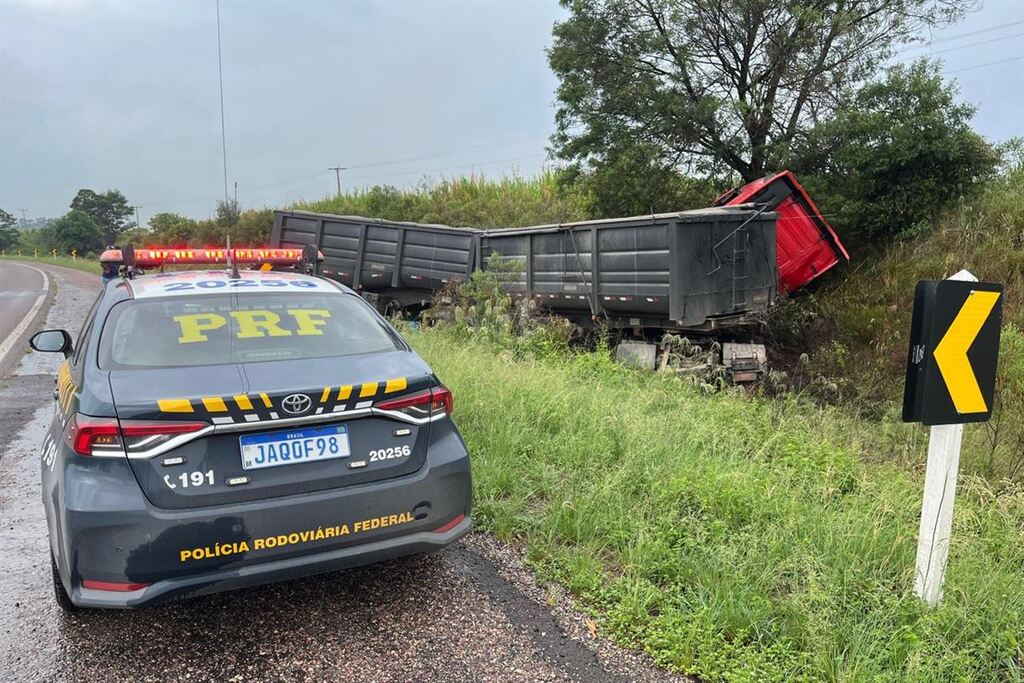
(110, 534)
(272, 571)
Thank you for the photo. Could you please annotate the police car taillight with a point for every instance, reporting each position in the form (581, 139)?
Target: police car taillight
(429, 403)
(93, 436)
(100, 437)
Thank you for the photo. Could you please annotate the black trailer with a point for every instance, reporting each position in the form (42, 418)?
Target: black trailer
(695, 270)
(392, 263)
(700, 270)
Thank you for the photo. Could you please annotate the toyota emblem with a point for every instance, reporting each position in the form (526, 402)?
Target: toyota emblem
(296, 404)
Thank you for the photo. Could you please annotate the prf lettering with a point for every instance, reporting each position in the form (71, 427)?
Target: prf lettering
(252, 324)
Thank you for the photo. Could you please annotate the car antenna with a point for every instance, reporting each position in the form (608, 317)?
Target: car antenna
(232, 266)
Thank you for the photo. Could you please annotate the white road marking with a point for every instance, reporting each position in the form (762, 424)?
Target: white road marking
(8, 345)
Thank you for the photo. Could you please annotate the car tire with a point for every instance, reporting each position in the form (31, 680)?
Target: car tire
(59, 592)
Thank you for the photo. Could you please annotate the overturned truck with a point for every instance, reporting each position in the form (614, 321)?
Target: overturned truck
(707, 273)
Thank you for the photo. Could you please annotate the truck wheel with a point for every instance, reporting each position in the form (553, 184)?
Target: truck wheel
(59, 592)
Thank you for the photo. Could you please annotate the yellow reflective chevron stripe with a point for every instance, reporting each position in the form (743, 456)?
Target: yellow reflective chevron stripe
(323, 396)
(394, 385)
(65, 387)
(266, 400)
(368, 390)
(243, 402)
(345, 392)
(951, 353)
(175, 405)
(215, 404)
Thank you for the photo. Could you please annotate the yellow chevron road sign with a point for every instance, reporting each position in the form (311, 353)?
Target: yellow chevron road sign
(954, 350)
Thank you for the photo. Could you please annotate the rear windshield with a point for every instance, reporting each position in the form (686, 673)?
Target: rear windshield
(221, 329)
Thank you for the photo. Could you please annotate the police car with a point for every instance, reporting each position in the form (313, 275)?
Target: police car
(221, 428)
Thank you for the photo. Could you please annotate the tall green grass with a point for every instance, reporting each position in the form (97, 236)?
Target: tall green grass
(868, 316)
(472, 201)
(732, 538)
(88, 265)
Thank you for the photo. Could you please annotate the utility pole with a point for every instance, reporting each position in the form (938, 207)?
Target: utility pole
(24, 220)
(138, 223)
(236, 193)
(337, 175)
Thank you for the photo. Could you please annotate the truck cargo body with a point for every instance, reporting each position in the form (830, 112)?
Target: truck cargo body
(807, 244)
(400, 262)
(695, 270)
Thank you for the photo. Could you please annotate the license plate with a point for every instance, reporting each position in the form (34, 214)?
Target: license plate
(294, 446)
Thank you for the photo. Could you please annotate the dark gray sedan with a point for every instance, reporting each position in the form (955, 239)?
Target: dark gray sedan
(215, 430)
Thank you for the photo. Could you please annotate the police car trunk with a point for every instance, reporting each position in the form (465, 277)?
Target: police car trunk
(262, 385)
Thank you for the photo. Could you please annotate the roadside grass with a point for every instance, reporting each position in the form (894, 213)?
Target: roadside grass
(733, 538)
(867, 312)
(471, 201)
(83, 264)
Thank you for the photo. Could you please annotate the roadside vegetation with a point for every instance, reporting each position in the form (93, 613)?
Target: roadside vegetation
(760, 536)
(472, 201)
(88, 265)
(852, 332)
(734, 538)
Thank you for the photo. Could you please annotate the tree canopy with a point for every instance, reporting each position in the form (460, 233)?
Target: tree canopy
(78, 230)
(8, 230)
(899, 151)
(719, 85)
(109, 210)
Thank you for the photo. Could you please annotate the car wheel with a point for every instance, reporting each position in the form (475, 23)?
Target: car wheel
(59, 592)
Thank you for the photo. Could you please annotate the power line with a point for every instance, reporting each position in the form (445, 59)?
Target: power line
(978, 66)
(494, 144)
(223, 135)
(441, 170)
(512, 142)
(404, 173)
(958, 36)
(980, 42)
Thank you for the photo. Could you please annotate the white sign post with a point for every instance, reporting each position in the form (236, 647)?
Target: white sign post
(939, 493)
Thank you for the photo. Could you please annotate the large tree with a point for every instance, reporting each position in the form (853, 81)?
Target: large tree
(110, 210)
(76, 230)
(172, 230)
(719, 84)
(900, 152)
(8, 232)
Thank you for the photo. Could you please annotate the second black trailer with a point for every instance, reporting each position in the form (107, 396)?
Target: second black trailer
(702, 270)
(695, 270)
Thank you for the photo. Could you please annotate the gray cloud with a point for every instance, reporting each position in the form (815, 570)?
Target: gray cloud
(117, 94)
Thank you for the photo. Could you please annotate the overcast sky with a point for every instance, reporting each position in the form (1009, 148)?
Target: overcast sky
(125, 95)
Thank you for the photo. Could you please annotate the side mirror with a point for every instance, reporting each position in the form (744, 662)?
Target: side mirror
(51, 341)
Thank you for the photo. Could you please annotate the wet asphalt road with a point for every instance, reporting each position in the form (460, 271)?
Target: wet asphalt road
(20, 286)
(24, 291)
(468, 613)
